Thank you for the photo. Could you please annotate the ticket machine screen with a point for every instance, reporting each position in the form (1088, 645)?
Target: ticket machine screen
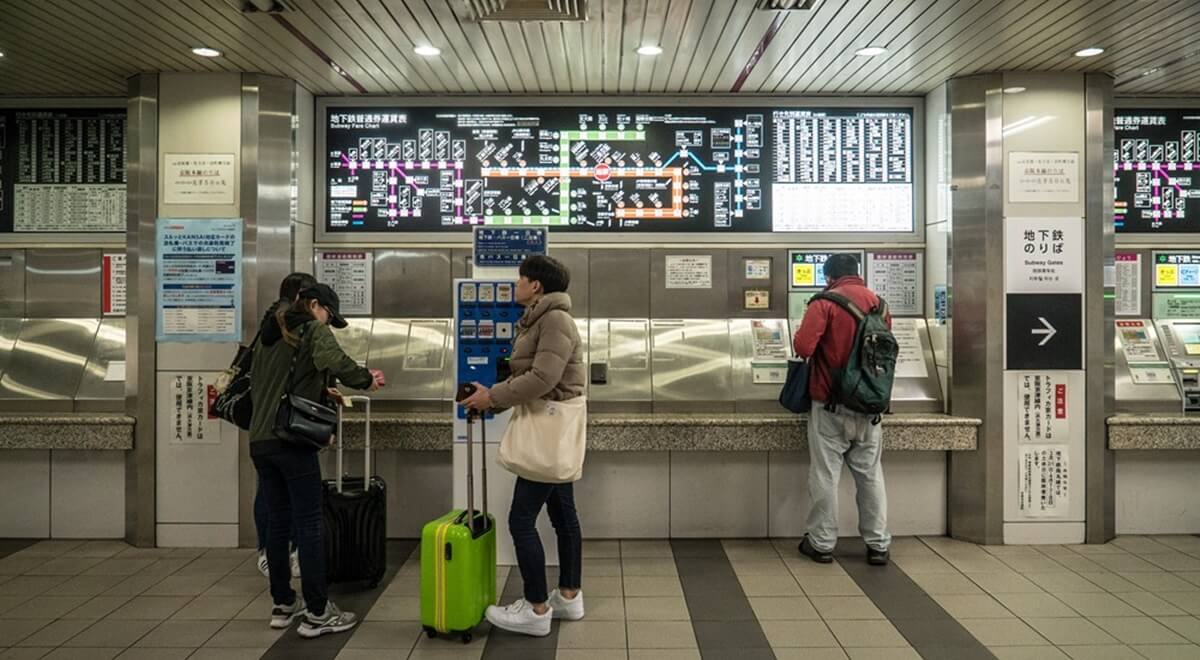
(1189, 337)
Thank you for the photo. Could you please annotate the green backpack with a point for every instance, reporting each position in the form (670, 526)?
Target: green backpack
(865, 385)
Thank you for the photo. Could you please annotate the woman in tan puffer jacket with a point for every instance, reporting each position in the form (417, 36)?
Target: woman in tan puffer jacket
(547, 364)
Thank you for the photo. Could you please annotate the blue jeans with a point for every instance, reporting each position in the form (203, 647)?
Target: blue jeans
(291, 485)
(850, 437)
(559, 500)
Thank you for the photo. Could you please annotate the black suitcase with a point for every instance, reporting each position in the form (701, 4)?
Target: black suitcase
(355, 511)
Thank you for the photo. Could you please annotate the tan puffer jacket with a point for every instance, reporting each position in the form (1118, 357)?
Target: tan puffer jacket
(547, 357)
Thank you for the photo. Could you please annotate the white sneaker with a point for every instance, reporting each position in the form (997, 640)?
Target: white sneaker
(571, 610)
(282, 616)
(262, 563)
(520, 618)
(332, 621)
(296, 564)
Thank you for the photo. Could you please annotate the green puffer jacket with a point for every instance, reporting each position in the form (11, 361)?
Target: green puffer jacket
(320, 359)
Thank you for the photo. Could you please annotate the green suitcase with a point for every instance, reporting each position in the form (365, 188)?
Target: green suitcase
(458, 560)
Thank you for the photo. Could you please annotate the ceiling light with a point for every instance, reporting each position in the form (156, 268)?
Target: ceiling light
(650, 50)
(1013, 90)
(1, 54)
(427, 51)
(1089, 52)
(870, 51)
(204, 51)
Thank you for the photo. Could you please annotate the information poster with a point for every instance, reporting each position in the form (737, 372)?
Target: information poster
(910, 363)
(351, 274)
(1044, 481)
(199, 281)
(62, 170)
(1042, 408)
(1043, 255)
(507, 247)
(1137, 342)
(898, 278)
(1128, 284)
(689, 271)
(758, 269)
(190, 422)
(1043, 176)
(114, 285)
(199, 179)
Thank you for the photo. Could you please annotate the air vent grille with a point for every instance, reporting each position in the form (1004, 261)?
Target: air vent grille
(528, 10)
(786, 5)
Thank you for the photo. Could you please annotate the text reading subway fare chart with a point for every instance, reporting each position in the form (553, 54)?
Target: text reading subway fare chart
(638, 170)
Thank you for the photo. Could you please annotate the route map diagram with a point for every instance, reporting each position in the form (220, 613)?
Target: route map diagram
(1157, 163)
(611, 169)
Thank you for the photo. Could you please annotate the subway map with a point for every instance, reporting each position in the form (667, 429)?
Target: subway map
(1157, 163)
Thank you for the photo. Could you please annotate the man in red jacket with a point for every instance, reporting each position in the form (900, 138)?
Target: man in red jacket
(836, 433)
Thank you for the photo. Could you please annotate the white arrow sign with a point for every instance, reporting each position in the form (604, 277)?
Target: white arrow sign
(1048, 331)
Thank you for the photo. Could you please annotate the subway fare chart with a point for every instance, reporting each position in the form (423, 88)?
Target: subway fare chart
(663, 170)
(1157, 171)
(682, 169)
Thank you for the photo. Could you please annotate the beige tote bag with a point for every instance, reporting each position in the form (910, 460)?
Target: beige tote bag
(546, 440)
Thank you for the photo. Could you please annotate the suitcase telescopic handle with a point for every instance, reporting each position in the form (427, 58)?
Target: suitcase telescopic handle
(341, 441)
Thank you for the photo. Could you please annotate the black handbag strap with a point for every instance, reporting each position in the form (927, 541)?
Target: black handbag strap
(287, 387)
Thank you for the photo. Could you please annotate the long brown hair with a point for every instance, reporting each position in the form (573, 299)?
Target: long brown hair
(301, 305)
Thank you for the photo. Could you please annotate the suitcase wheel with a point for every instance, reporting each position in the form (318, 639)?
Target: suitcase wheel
(430, 632)
(466, 638)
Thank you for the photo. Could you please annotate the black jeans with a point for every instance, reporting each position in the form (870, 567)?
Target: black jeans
(559, 499)
(291, 485)
(262, 519)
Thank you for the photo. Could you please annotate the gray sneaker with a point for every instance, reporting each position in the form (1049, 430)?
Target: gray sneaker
(282, 616)
(332, 621)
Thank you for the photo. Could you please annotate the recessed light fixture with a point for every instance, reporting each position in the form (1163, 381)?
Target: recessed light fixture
(427, 51)
(1013, 90)
(1089, 52)
(870, 51)
(1, 54)
(204, 51)
(650, 49)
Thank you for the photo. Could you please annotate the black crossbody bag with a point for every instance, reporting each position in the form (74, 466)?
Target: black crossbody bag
(302, 421)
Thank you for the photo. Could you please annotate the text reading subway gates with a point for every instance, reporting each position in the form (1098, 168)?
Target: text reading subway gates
(652, 169)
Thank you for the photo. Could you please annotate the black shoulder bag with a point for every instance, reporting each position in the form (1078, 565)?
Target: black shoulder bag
(301, 421)
(233, 403)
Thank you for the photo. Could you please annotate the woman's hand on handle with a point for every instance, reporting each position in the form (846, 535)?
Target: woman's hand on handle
(481, 400)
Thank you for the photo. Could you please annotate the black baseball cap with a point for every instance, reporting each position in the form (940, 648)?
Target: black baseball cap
(328, 298)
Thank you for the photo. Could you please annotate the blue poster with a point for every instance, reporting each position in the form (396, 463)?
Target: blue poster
(199, 280)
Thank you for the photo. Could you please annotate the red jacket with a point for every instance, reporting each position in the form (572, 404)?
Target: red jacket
(826, 334)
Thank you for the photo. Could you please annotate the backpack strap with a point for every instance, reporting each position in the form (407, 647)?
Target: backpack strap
(843, 302)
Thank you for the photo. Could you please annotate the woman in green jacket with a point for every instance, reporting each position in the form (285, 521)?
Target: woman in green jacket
(290, 473)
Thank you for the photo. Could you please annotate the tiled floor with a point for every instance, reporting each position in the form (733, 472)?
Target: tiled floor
(1137, 597)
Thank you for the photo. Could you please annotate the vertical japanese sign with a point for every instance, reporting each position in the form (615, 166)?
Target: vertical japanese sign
(199, 281)
(1043, 434)
(350, 273)
(190, 397)
(1128, 284)
(1043, 255)
(113, 285)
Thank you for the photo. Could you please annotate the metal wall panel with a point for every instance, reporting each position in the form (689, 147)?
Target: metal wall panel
(10, 329)
(692, 365)
(62, 283)
(977, 478)
(621, 347)
(46, 365)
(576, 261)
(102, 386)
(619, 283)
(415, 355)
(688, 303)
(413, 283)
(12, 283)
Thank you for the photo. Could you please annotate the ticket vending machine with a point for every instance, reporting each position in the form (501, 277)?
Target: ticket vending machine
(897, 276)
(485, 319)
(1154, 356)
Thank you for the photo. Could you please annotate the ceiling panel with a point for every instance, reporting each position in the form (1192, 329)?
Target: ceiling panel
(73, 48)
